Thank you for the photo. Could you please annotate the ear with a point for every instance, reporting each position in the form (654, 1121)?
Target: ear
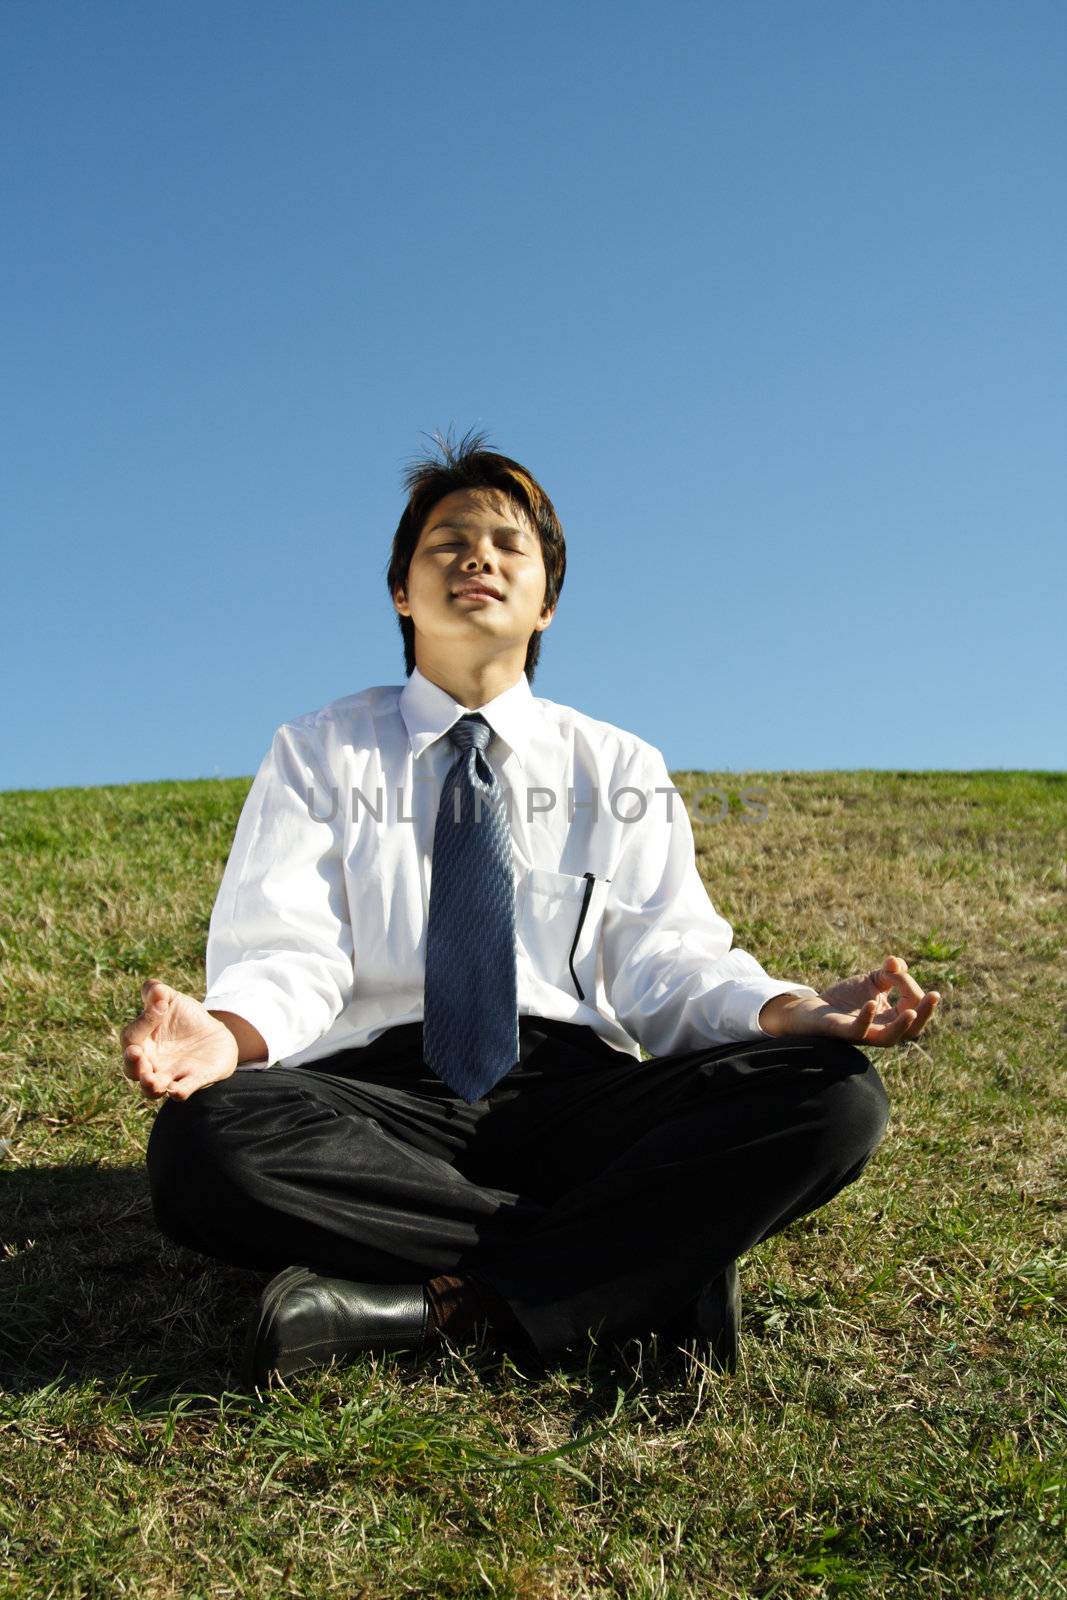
(544, 619)
(400, 601)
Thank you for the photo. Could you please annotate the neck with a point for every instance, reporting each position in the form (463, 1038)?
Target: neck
(473, 683)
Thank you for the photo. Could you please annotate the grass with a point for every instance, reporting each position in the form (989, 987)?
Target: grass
(897, 1423)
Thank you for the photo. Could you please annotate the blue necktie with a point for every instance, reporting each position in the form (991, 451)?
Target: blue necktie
(470, 1004)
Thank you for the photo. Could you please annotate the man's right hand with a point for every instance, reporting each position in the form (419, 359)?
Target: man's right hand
(175, 1046)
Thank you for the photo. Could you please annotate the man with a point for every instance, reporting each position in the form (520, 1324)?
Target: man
(452, 916)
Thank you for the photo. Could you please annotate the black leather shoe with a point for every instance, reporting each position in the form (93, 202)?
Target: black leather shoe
(710, 1325)
(718, 1320)
(303, 1320)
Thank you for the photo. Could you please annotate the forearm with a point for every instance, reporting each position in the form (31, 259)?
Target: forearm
(251, 1045)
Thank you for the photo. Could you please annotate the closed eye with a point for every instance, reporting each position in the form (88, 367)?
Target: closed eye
(514, 549)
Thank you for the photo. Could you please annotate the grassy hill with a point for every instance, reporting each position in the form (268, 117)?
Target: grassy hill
(896, 1427)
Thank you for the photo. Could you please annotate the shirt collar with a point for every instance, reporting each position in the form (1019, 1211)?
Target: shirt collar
(428, 712)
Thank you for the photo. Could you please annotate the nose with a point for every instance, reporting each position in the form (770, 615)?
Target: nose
(481, 558)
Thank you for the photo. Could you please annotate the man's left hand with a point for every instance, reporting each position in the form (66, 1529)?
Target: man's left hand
(858, 1009)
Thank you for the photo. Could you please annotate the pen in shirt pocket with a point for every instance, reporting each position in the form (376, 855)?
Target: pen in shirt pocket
(590, 880)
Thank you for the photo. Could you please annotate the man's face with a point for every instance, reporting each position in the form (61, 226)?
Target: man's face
(472, 537)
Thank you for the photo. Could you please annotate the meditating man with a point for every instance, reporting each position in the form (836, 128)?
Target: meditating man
(452, 917)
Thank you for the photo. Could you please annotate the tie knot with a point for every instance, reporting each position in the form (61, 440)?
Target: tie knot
(468, 731)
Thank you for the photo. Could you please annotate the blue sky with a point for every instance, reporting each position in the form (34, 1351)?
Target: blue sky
(769, 296)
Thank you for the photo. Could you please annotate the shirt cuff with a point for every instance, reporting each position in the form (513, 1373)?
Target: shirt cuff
(747, 999)
(258, 1005)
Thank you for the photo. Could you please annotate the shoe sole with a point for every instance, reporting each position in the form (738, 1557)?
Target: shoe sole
(259, 1319)
(720, 1348)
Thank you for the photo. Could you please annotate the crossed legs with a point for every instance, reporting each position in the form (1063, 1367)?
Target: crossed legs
(591, 1192)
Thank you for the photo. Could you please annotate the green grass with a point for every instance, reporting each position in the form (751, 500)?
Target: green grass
(897, 1424)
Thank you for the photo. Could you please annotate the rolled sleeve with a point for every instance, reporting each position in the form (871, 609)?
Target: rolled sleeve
(279, 948)
(670, 974)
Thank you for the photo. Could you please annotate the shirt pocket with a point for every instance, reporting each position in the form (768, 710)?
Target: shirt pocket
(558, 920)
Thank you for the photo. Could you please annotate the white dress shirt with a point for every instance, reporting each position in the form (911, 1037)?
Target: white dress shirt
(318, 933)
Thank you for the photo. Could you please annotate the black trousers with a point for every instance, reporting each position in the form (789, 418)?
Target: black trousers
(596, 1194)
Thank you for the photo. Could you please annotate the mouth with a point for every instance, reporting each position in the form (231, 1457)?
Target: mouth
(477, 591)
